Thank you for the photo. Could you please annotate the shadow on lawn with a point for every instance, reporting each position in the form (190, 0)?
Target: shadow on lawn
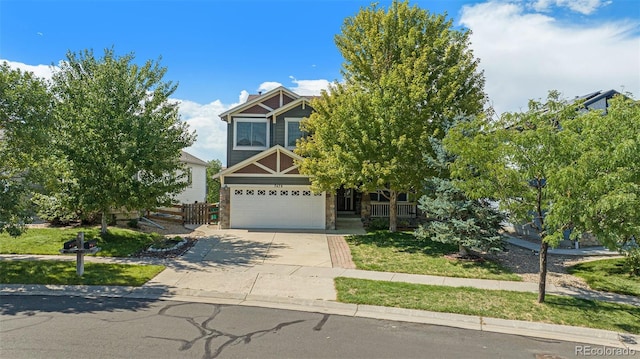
(63, 272)
(403, 242)
(408, 243)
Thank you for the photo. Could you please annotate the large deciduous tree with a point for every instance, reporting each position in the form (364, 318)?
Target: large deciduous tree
(25, 112)
(405, 72)
(555, 168)
(117, 132)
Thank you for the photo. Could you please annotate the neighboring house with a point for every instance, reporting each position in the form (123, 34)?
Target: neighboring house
(262, 187)
(196, 191)
(598, 100)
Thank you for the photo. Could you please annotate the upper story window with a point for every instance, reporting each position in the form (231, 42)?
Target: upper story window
(292, 131)
(250, 134)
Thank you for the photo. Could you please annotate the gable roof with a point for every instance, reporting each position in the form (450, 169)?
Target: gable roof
(189, 158)
(256, 104)
(276, 161)
(594, 97)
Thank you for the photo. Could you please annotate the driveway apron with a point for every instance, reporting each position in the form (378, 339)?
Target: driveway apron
(257, 263)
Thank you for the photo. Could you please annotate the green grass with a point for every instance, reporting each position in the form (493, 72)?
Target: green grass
(607, 275)
(402, 252)
(491, 303)
(64, 273)
(118, 242)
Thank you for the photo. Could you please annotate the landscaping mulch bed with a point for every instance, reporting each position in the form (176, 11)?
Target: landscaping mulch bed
(177, 252)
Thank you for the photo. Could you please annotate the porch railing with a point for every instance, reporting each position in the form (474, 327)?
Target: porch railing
(405, 210)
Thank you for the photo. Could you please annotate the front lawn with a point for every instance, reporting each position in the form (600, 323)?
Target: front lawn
(491, 303)
(402, 252)
(118, 242)
(607, 275)
(64, 273)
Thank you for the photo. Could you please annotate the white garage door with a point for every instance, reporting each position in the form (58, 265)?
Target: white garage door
(277, 207)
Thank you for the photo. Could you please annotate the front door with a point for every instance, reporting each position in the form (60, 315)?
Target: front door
(345, 199)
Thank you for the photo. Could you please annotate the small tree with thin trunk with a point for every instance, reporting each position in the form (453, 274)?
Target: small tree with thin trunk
(117, 132)
(511, 160)
(556, 167)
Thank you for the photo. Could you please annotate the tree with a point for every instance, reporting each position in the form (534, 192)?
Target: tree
(452, 217)
(538, 165)
(25, 111)
(213, 184)
(118, 133)
(599, 191)
(406, 71)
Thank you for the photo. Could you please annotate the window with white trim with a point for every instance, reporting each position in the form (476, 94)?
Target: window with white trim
(250, 134)
(292, 131)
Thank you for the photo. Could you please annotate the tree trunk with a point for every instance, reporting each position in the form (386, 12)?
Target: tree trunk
(542, 281)
(393, 211)
(544, 246)
(103, 224)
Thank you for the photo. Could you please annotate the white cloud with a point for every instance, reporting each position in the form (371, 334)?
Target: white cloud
(585, 7)
(211, 131)
(309, 87)
(524, 54)
(268, 86)
(44, 71)
(302, 87)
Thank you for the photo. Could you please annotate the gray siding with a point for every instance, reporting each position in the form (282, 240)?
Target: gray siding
(278, 129)
(267, 180)
(276, 135)
(234, 156)
(601, 104)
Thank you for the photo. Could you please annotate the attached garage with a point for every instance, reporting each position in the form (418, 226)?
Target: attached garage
(276, 206)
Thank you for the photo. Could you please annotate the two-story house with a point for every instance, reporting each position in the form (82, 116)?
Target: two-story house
(262, 187)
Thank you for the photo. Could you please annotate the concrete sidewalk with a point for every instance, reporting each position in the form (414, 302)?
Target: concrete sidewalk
(584, 251)
(292, 271)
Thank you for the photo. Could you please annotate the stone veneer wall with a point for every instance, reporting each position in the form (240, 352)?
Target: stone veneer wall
(225, 208)
(330, 211)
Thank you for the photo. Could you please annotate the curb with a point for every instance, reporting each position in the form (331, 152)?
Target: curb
(514, 327)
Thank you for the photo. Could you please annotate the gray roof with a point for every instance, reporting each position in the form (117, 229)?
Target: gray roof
(189, 158)
(594, 97)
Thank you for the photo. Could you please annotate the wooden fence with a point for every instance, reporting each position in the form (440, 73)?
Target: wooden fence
(188, 213)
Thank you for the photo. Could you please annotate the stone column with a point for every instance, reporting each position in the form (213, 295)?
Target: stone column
(225, 207)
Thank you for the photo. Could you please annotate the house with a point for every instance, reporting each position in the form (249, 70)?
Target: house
(196, 190)
(598, 100)
(262, 187)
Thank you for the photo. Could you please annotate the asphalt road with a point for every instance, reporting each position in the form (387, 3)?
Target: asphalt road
(73, 327)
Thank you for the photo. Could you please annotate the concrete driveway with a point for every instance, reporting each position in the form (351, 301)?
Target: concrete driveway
(267, 247)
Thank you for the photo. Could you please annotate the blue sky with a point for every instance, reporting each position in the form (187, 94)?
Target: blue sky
(220, 51)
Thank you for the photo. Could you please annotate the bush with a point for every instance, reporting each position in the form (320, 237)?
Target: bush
(53, 210)
(377, 224)
(133, 223)
(632, 261)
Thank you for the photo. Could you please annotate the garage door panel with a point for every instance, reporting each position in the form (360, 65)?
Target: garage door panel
(284, 207)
